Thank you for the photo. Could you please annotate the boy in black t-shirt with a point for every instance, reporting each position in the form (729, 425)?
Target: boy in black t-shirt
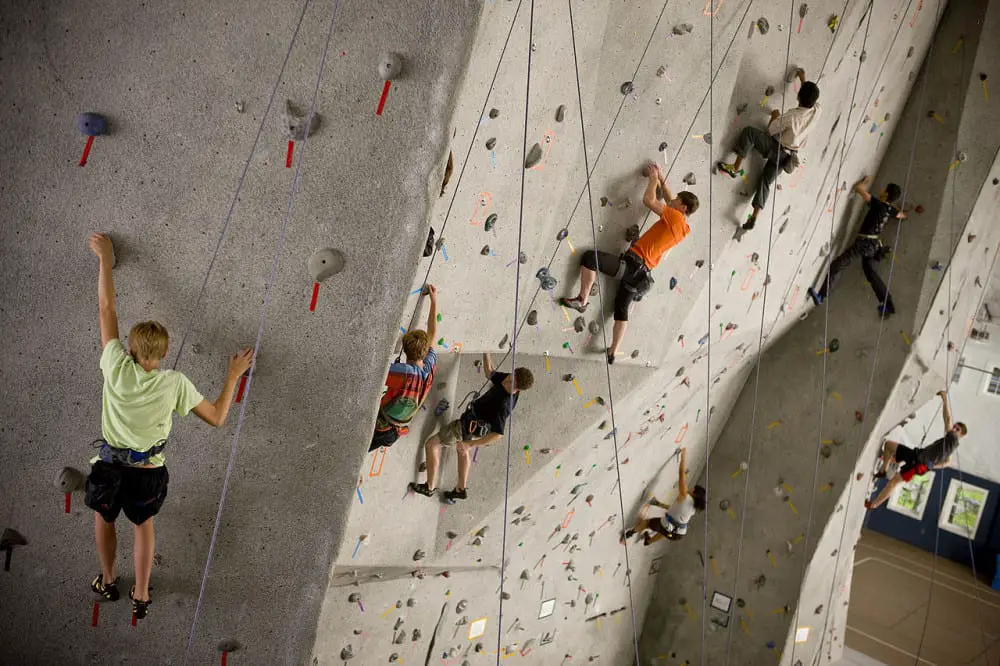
(867, 246)
(481, 424)
(916, 462)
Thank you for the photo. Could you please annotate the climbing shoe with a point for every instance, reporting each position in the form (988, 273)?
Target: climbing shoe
(138, 607)
(728, 169)
(107, 590)
(627, 534)
(452, 496)
(886, 312)
(611, 358)
(815, 296)
(422, 489)
(750, 223)
(573, 304)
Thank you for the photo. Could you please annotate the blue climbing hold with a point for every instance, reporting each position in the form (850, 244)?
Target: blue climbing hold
(91, 124)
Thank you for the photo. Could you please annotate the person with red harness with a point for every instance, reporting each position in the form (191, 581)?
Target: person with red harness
(917, 462)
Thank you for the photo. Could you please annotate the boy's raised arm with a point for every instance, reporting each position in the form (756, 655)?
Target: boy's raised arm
(101, 246)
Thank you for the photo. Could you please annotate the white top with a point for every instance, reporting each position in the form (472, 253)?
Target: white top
(682, 511)
(793, 126)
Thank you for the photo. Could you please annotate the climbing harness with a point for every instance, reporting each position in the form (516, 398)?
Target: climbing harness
(126, 457)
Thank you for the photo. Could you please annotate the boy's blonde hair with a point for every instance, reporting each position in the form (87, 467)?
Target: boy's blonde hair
(415, 345)
(148, 341)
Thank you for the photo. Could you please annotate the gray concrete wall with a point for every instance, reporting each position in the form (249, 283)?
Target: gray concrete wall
(791, 505)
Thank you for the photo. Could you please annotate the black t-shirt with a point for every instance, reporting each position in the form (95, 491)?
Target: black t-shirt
(939, 451)
(493, 407)
(878, 215)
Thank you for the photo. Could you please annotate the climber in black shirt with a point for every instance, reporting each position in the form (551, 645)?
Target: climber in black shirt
(867, 246)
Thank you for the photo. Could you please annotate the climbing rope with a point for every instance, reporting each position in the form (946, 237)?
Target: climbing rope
(260, 335)
(756, 386)
(513, 349)
(604, 333)
(239, 187)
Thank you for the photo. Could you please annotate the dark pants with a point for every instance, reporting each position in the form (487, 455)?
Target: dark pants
(865, 249)
(138, 491)
(628, 268)
(754, 138)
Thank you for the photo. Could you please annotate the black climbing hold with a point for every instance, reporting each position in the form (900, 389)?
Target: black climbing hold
(485, 251)
(8, 541)
(627, 88)
(763, 25)
(534, 156)
(390, 65)
(229, 645)
(635, 353)
(490, 143)
(532, 317)
(768, 91)
(560, 113)
(562, 234)
(673, 282)
(604, 200)
(494, 113)
(429, 245)
(708, 138)
(91, 124)
(491, 220)
(663, 146)
(834, 345)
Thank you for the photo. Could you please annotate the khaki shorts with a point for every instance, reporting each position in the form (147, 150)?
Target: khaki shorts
(451, 434)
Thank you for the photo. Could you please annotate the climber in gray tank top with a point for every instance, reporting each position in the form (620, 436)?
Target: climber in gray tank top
(675, 524)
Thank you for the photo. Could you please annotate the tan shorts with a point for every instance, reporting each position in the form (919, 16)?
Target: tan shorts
(451, 434)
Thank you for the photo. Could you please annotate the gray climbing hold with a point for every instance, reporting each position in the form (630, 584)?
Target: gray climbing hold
(70, 480)
(560, 113)
(662, 147)
(91, 124)
(494, 113)
(294, 122)
(485, 251)
(825, 451)
(347, 653)
(604, 202)
(394, 658)
(724, 505)
(416, 635)
(661, 71)
(627, 88)
(579, 324)
(763, 25)
(819, 609)
(419, 555)
(635, 353)
(909, 52)
(240, 106)
(400, 637)
(863, 56)
(354, 597)
(325, 263)
(562, 234)
(534, 156)
(683, 28)
(803, 10)
(503, 342)
(603, 425)
(708, 138)
(483, 530)
(491, 143)
(506, 597)
(768, 91)
(478, 541)
(568, 377)
(631, 234)
(461, 606)
(519, 510)
(228, 645)
(490, 222)
(525, 575)
(689, 179)
(390, 65)
(399, 623)
(450, 534)
(532, 317)
(522, 258)
(594, 327)
(962, 156)
(680, 371)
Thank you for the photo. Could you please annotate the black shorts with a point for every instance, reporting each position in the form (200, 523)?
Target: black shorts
(138, 491)
(668, 530)
(383, 438)
(635, 280)
(910, 463)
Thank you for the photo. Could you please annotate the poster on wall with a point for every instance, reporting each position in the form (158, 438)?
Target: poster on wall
(963, 508)
(910, 498)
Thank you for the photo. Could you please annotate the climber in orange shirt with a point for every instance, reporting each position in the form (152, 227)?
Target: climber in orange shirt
(634, 266)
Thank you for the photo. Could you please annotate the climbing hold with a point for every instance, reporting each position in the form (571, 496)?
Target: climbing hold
(683, 28)
(485, 251)
(506, 597)
(708, 138)
(579, 324)
(503, 342)
(347, 653)
(603, 425)
(909, 52)
(461, 606)
(562, 234)
(494, 113)
(833, 23)
(390, 65)
(294, 122)
(662, 147)
(490, 222)
(673, 282)
(834, 345)
(548, 282)
(825, 451)
(491, 143)
(763, 25)
(560, 113)
(91, 124)
(534, 156)
(411, 602)
(689, 179)
(70, 480)
(525, 575)
(627, 88)
(325, 263)
(568, 377)
(635, 353)
(419, 555)
(354, 597)
(632, 233)
(532, 317)
(724, 505)
(661, 71)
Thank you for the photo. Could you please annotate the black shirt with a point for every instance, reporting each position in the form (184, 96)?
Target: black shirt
(939, 451)
(879, 214)
(494, 406)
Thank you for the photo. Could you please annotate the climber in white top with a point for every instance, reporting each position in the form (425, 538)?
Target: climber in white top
(679, 514)
(785, 135)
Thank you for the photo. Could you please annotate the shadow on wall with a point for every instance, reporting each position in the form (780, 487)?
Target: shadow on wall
(924, 532)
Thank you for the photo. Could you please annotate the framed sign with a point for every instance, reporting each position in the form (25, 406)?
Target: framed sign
(963, 508)
(910, 498)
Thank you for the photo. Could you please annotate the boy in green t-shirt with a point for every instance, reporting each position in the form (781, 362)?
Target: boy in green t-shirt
(136, 414)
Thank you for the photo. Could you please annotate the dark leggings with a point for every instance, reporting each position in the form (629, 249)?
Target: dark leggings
(866, 250)
(625, 268)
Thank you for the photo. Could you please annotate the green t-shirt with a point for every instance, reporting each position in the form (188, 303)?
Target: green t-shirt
(137, 406)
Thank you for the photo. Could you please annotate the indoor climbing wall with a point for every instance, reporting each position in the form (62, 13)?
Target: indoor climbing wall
(299, 203)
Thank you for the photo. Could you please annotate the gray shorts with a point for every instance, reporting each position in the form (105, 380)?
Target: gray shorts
(451, 434)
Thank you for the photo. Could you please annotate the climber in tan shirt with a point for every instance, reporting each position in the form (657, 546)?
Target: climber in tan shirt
(779, 144)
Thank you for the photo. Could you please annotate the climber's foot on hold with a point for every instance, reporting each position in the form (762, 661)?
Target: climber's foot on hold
(727, 168)
(107, 590)
(611, 357)
(422, 489)
(815, 296)
(574, 303)
(452, 496)
(750, 223)
(139, 606)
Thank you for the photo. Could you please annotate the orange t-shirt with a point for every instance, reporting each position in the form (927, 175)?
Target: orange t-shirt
(668, 231)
